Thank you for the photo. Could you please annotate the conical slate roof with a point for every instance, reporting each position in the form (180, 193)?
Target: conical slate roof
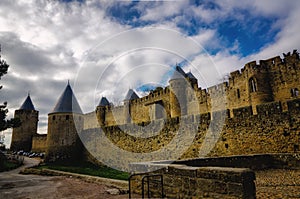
(190, 75)
(67, 102)
(103, 102)
(131, 95)
(178, 73)
(27, 104)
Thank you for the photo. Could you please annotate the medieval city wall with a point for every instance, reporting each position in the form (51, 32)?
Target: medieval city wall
(271, 130)
(90, 120)
(270, 80)
(136, 111)
(39, 143)
(260, 113)
(256, 111)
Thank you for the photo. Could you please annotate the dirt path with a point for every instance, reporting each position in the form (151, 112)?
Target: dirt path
(16, 186)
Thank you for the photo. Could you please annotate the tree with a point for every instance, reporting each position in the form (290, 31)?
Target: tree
(5, 123)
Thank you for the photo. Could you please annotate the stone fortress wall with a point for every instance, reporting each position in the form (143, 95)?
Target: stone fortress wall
(271, 80)
(261, 114)
(39, 143)
(260, 107)
(271, 130)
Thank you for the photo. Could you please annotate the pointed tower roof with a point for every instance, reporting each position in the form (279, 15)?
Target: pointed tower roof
(190, 75)
(131, 95)
(103, 102)
(67, 102)
(27, 104)
(178, 73)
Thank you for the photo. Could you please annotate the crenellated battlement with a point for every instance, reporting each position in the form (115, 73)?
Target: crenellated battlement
(235, 74)
(245, 93)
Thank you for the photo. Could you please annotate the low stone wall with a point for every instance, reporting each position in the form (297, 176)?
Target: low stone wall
(217, 177)
(254, 162)
(180, 181)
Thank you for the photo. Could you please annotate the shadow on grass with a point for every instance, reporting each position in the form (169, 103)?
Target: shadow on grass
(87, 169)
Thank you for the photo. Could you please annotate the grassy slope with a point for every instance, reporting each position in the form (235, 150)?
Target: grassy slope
(89, 169)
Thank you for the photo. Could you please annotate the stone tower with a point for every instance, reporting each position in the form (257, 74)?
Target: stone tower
(101, 110)
(22, 136)
(131, 95)
(258, 82)
(178, 100)
(193, 80)
(64, 122)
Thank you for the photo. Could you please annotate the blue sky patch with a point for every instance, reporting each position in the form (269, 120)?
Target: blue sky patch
(251, 34)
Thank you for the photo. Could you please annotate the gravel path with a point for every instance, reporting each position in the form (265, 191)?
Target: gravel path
(16, 186)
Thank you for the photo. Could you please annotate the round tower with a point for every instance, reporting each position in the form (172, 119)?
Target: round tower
(131, 95)
(178, 95)
(22, 135)
(64, 123)
(101, 110)
(193, 80)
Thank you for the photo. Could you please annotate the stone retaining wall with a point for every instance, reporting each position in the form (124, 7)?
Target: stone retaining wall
(254, 162)
(217, 177)
(180, 181)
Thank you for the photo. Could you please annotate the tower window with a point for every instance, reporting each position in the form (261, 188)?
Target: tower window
(238, 93)
(53, 118)
(252, 85)
(67, 117)
(294, 92)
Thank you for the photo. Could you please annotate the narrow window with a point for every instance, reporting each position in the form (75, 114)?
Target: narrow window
(67, 117)
(238, 93)
(252, 85)
(294, 92)
(53, 118)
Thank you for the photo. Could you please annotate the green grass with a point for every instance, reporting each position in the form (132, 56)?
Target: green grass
(8, 165)
(88, 169)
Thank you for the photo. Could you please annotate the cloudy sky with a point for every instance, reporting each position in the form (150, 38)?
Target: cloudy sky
(106, 47)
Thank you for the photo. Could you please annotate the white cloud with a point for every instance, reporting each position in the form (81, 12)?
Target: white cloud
(131, 59)
(161, 10)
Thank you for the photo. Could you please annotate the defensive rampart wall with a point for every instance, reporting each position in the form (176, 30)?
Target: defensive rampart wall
(271, 130)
